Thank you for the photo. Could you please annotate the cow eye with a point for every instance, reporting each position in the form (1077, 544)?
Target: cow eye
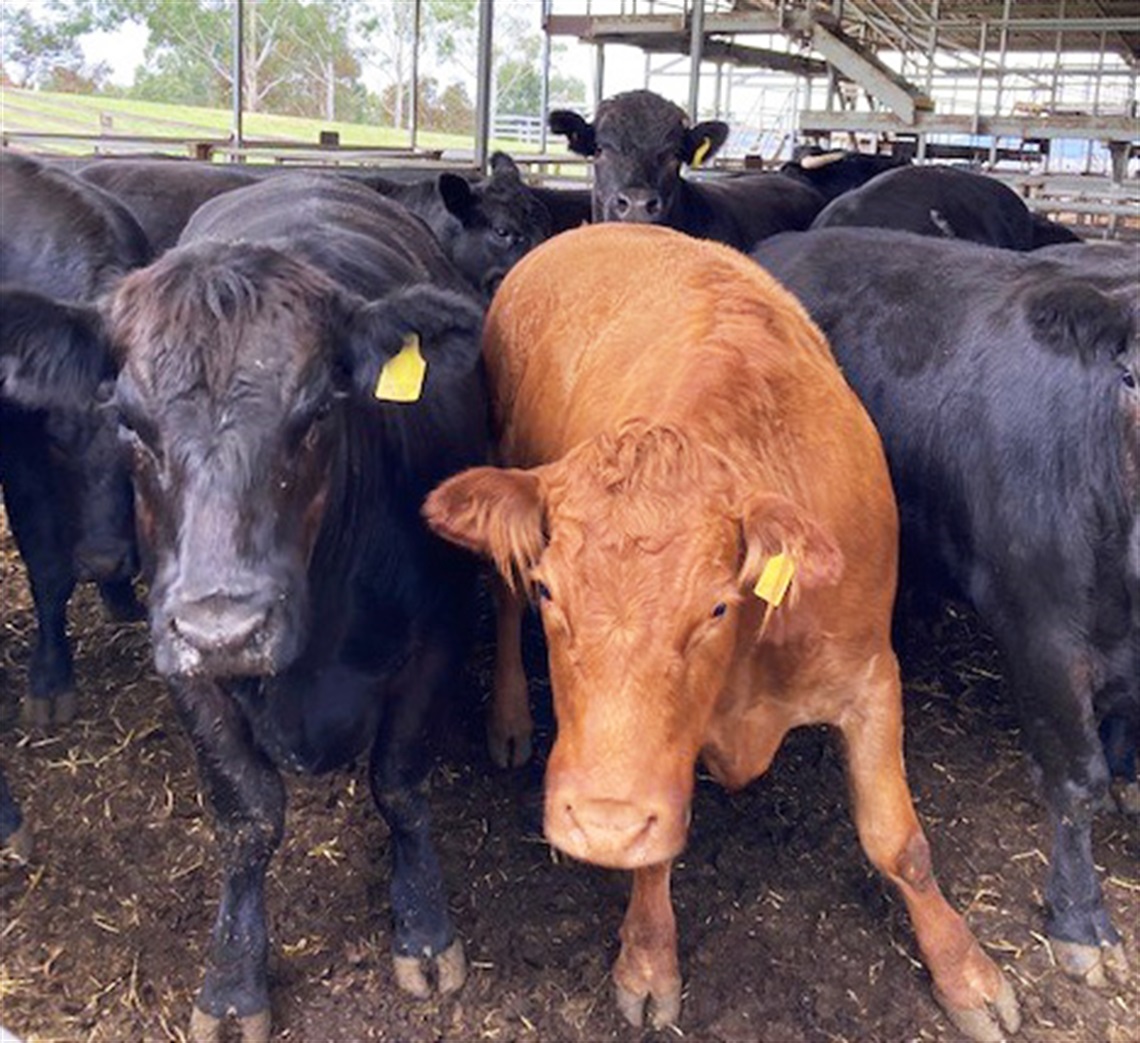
(720, 609)
(543, 591)
(1129, 378)
(501, 232)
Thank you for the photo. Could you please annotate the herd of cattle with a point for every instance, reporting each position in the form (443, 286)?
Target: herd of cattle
(274, 393)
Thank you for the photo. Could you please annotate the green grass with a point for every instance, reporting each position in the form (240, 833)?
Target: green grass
(28, 112)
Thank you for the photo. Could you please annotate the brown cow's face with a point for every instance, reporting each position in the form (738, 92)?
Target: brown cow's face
(641, 601)
(228, 403)
(642, 549)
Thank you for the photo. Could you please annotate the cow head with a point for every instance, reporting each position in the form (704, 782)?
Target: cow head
(642, 554)
(53, 358)
(500, 218)
(243, 371)
(638, 142)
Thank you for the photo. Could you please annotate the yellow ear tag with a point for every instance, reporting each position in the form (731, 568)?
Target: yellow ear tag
(700, 152)
(402, 377)
(775, 578)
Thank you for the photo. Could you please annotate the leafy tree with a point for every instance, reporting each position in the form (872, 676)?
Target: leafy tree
(39, 47)
(296, 53)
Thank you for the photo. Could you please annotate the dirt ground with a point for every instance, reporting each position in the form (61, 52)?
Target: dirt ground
(786, 935)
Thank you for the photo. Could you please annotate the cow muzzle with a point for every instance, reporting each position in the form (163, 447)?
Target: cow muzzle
(638, 206)
(615, 832)
(222, 634)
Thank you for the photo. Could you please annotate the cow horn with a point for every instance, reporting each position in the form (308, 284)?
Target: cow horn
(815, 162)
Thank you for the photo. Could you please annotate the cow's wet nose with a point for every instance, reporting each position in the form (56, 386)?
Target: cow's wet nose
(220, 623)
(108, 560)
(618, 833)
(635, 207)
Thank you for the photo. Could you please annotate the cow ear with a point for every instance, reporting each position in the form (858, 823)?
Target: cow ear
(1072, 317)
(503, 166)
(579, 134)
(52, 355)
(781, 537)
(495, 512)
(458, 198)
(441, 327)
(702, 141)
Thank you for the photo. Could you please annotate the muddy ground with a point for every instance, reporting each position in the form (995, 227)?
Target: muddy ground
(786, 935)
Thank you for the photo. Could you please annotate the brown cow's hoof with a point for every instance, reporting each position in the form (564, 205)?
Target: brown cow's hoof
(1126, 796)
(988, 1024)
(19, 844)
(205, 1028)
(449, 969)
(508, 751)
(1098, 966)
(664, 1008)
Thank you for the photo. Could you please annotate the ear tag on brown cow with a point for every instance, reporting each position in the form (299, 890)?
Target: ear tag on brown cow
(700, 152)
(775, 578)
(402, 378)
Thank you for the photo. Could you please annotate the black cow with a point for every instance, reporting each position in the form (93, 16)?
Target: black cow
(835, 172)
(162, 194)
(300, 610)
(639, 142)
(1005, 390)
(484, 225)
(945, 202)
(65, 481)
(56, 373)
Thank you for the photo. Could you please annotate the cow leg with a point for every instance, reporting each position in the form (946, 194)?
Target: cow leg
(398, 777)
(1118, 736)
(647, 973)
(247, 797)
(1053, 686)
(509, 727)
(15, 836)
(120, 601)
(967, 984)
(46, 550)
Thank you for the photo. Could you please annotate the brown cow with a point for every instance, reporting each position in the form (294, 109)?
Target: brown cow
(672, 421)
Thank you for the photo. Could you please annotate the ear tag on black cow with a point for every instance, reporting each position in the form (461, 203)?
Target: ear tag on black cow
(700, 152)
(775, 578)
(402, 378)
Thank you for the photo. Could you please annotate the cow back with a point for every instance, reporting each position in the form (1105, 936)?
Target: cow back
(611, 323)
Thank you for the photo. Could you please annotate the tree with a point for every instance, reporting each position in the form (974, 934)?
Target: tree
(39, 47)
(296, 57)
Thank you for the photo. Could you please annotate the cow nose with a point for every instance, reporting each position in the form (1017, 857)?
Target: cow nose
(622, 834)
(638, 206)
(112, 559)
(220, 623)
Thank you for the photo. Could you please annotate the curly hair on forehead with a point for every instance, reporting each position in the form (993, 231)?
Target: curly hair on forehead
(641, 115)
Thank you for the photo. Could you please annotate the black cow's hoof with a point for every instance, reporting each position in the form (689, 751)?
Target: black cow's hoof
(990, 1023)
(664, 1008)
(66, 707)
(509, 751)
(1098, 966)
(1126, 797)
(449, 970)
(19, 845)
(36, 713)
(205, 1028)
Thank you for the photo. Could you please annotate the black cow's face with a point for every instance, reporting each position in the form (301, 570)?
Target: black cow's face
(237, 366)
(501, 221)
(639, 142)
